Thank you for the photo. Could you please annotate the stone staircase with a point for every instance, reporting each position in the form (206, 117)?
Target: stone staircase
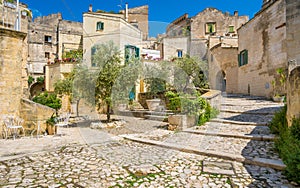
(239, 133)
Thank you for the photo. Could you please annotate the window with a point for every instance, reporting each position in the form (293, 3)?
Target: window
(231, 29)
(210, 28)
(179, 53)
(48, 39)
(243, 58)
(47, 55)
(100, 26)
(130, 51)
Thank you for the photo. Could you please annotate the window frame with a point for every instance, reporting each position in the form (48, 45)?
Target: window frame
(243, 58)
(46, 39)
(231, 29)
(207, 26)
(179, 53)
(99, 26)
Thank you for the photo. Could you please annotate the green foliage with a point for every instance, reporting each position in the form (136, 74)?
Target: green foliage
(288, 143)
(279, 123)
(30, 80)
(126, 80)
(295, 129)
(73, 54)
(51, 120)
(50, 100)
(194, 71)
(107, 59)
(191, 105)
(40, 79)
(155, 85)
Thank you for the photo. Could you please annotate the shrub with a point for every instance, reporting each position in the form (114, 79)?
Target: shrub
(279, 123)
(191, 105)
(30, 80)
(49, 100)
(288, 143)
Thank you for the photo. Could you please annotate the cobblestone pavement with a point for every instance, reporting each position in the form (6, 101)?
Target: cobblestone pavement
(128, 164)
(86, 157)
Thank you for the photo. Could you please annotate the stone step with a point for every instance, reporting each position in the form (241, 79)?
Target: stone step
(242, 136)
(143, 113)
(254, 112)
(272, 163)
(157, 117)
(219, 120)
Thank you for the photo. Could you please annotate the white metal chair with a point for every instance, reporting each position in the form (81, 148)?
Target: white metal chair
(62, 121)
(12, 124)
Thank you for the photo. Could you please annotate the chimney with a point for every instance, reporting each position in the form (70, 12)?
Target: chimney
(126, 12)
(236, 13)
(91, 8)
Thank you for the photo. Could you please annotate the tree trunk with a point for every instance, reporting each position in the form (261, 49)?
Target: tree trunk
(77, 107)
(108, 113)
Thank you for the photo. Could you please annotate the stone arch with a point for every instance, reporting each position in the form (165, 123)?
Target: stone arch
(36, 88)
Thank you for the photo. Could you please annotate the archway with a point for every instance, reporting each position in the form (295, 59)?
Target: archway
(221, 81)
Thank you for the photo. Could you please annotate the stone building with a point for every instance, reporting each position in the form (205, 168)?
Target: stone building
(49, 38)
(138, 17)
(191, 35)
(104, 27)
(262, 50)
(9, 15)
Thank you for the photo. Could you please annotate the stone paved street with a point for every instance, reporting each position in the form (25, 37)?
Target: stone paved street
(87, 157)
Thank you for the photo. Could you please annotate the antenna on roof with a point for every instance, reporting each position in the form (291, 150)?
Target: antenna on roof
(120, 5)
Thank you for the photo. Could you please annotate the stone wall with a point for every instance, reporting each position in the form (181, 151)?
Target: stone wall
(34, 114)
(116, 29)
(138, 16)
(223, 68)
(222, 21)
(265, 39)
(13, 77)
(9, 16)
(172, 45)
(293, 53)
(70, 36)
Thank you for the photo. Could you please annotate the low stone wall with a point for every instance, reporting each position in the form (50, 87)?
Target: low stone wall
(32, 113)
(214, 98)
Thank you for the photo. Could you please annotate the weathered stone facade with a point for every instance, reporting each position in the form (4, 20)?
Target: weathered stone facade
(55, 72)
(13, 76)
(264, 39)
(8, 15)
(222, 63)
(138, 17)
(206, 24)
(115, 29)
(293, 55)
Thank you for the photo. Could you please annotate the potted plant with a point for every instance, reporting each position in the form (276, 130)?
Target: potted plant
(279, 95)
(51, 129)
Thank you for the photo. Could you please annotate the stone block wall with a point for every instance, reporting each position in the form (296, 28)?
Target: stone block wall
(34, 113)
(265, 39)
(293, 53)
(13, 78)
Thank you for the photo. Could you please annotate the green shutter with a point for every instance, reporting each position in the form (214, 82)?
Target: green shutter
(127, 53)
(239, 59)
(137, 52)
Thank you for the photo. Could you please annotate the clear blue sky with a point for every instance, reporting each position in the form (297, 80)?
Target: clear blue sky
(161, 12)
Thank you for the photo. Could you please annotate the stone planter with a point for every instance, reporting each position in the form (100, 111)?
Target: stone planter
(153, 104)
(51, 129)
(180, 122)
(278, 98)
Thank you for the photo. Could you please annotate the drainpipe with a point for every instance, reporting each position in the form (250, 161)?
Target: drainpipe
(126, 12)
